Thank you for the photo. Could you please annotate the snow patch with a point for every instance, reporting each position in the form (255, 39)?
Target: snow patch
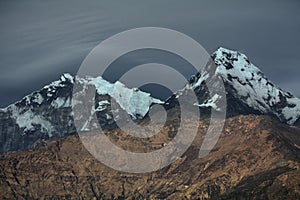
(67, 77)
(38, 98)
(61, 102)
(102, 105)
(212, 102)
(27, 119)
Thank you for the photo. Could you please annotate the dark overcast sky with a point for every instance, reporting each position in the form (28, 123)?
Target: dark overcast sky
(42, 39)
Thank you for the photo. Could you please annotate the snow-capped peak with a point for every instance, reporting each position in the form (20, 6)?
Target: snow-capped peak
(48, 109)
(251, 86)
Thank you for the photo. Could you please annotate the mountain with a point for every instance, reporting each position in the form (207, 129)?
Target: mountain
(47, 113)
(256, 157)
(248, 90)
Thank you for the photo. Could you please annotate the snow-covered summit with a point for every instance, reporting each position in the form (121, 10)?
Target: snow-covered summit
(47, 113)
(247, 84)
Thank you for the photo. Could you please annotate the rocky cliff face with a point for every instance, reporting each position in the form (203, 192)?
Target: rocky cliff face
(256, 157)
(47, 113)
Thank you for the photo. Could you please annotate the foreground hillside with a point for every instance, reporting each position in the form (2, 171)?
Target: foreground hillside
(256, 157)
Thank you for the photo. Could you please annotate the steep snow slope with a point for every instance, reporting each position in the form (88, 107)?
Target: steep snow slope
(249, 86)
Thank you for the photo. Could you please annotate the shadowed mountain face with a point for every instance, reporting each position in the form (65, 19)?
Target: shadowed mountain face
(256, 157)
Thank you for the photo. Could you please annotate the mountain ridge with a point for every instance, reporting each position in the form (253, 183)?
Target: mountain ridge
(47, 113)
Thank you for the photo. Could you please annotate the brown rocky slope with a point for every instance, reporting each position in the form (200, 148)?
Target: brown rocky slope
(256, 157)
